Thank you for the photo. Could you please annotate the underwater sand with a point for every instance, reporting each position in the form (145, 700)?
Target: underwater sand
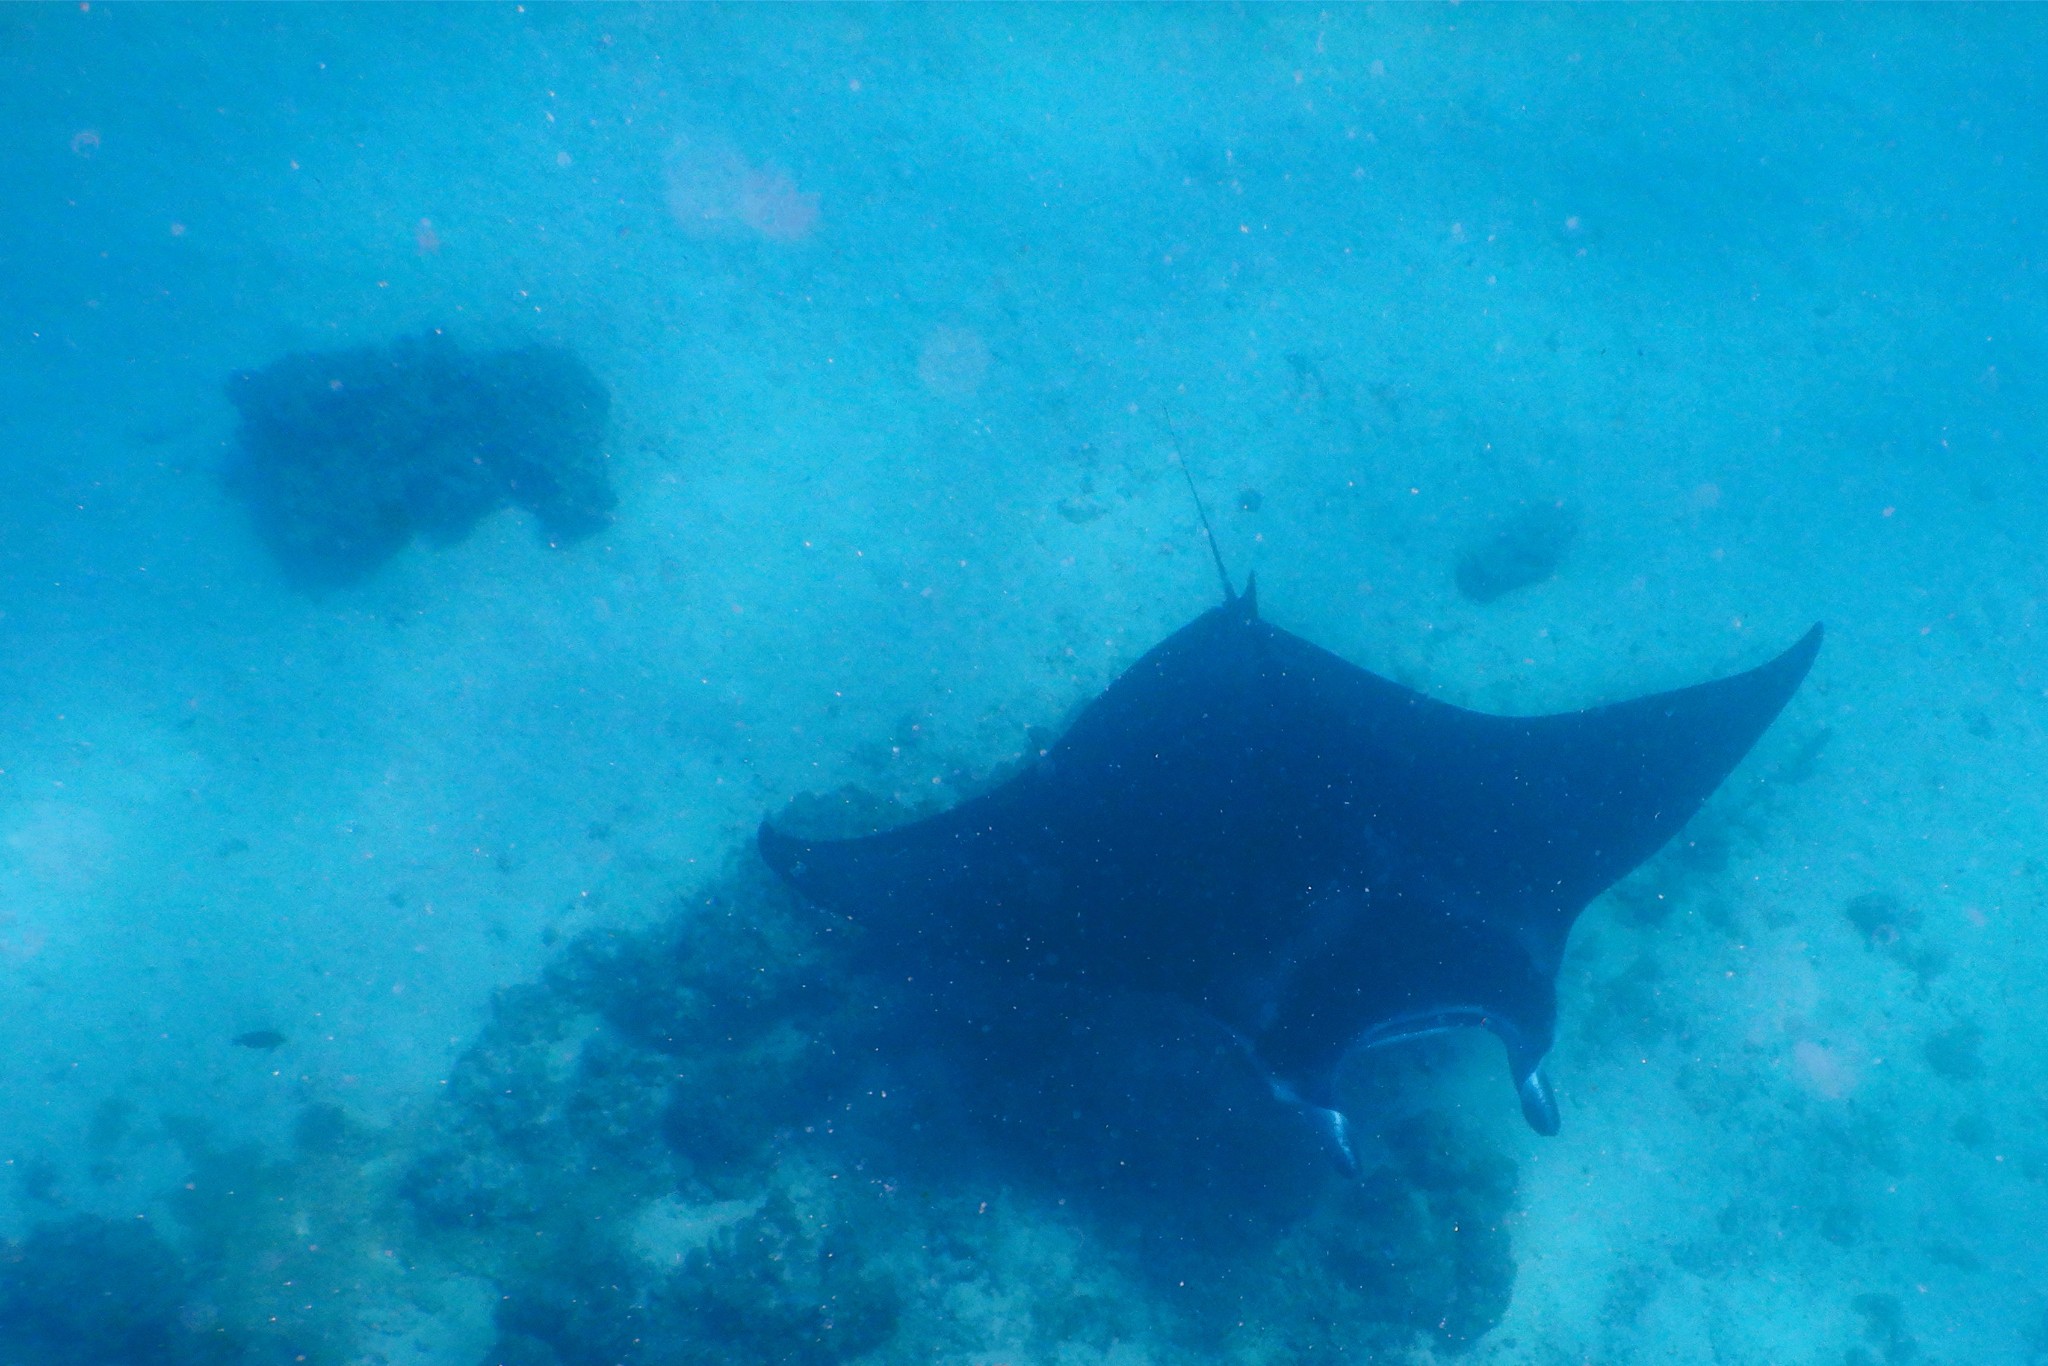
(889, 303)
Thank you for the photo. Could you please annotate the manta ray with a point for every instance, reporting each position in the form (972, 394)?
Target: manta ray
(1319, 858)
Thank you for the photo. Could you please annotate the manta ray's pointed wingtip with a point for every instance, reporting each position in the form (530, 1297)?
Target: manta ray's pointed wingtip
(1782, 673)
(1799, 656)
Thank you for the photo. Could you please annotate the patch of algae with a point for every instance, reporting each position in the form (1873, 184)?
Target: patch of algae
(701, 1143)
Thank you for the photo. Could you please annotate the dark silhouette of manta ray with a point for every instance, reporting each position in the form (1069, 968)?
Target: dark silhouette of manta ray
(1319, 858)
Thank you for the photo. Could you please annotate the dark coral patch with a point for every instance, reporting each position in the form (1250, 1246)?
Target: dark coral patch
(86, 1291)
(344, 457)
(1523, 550)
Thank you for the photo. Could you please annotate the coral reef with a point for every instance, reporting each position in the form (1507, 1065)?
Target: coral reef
(733, 1137)
(727, 1139)
(1884, 1328)
(343, 457)
(1893, 928)
(1523, 550)
(85, 1291)
(777, 1285)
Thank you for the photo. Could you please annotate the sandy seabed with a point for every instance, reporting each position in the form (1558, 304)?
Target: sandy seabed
(890, 305)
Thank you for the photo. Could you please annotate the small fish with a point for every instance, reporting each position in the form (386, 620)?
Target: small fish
(265, 1039)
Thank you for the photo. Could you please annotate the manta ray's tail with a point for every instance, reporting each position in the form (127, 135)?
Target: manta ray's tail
(1208, 532)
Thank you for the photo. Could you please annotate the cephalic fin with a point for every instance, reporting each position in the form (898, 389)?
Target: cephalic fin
(1330, 1125)
(1539, 1102)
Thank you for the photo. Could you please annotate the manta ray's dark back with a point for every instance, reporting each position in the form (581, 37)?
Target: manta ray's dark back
(1319, 857)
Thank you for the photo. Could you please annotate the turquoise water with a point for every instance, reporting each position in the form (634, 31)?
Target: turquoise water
(386, 973)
